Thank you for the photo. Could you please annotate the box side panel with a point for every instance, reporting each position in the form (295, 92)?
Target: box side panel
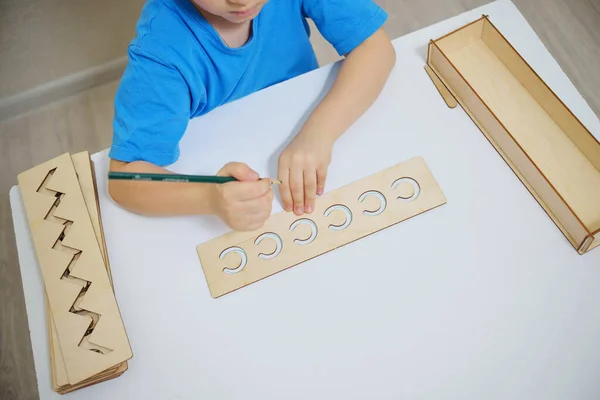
(536, 87)
(523, 167)
(461, 38)
(442, 89)
(552, 151)
(596, 241)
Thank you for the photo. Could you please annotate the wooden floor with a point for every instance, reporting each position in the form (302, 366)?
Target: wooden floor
(570, 29)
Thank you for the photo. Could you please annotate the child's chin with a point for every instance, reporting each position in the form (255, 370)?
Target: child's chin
(240, 18)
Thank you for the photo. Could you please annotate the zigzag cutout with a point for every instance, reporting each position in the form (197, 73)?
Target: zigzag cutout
(66, 276)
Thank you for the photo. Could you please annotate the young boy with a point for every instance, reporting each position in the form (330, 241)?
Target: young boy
(191, 56)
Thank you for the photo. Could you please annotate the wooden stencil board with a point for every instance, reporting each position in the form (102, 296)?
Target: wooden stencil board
(83, 169)
(65, 240)
(393, 195)
(60, 381)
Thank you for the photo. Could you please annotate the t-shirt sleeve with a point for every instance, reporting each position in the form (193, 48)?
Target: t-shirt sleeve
(345, 23)
(152, 110)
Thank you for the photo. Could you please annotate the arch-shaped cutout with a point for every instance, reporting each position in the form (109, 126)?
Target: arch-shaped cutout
(382, 202)
(346, 211)
(313, 233)
(243, 262)
(415, 185)
(278, 245)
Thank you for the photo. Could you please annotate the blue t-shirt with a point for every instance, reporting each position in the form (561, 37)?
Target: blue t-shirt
(179, 68)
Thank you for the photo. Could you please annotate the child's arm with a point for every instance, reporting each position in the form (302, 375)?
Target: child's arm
(243, 205)
(152, 110)
(303, 164)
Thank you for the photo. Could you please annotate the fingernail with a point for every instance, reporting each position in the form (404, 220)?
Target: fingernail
(309, 209)
(287, 208)
(319, 192)
(298, 210)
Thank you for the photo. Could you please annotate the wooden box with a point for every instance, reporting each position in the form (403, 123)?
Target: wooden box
(547, 147)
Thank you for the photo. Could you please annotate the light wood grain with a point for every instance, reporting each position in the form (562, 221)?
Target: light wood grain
(549, 146)
(562, 216)
(568, 29)
(60, 380)
(108, 340)
(536, 90)
(83, 169)
(442, 89)
(595, 243)
(544, 149)
(395, 207)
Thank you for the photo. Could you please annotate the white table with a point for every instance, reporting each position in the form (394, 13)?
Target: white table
(482, 298)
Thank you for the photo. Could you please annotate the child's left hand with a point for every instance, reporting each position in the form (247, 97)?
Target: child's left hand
(303, 164)
(303, 170)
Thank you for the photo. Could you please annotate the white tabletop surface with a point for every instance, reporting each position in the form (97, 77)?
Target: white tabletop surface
(482, 298)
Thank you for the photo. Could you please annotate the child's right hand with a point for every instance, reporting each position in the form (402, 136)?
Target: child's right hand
(245, 205)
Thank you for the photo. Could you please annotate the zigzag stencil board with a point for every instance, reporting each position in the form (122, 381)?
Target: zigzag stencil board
(88, 323)
(60, 380)
(344, 215)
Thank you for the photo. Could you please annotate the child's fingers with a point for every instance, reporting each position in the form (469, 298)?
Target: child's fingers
(310, 189)
(321, 178)
(297, 187)
(251, 222)
(247, 212)
(239, 171)
(256, 207)
(255, 221)
(284, 188)
(247, 190)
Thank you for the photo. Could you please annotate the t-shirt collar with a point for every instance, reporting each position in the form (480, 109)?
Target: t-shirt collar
(207, 27)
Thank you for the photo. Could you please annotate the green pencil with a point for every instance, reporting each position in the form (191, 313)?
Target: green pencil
(138, 176)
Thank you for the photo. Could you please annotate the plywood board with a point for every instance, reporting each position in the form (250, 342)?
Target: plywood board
(442, 89)
(90, 330)
(542, 94)
(563, 163)
(340, 217)
(81, 163)
(595, 243)
(515, 157)
(102, 377)
(546, 146)
(86, 179)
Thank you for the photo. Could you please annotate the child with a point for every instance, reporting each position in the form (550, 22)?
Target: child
(191, 56)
